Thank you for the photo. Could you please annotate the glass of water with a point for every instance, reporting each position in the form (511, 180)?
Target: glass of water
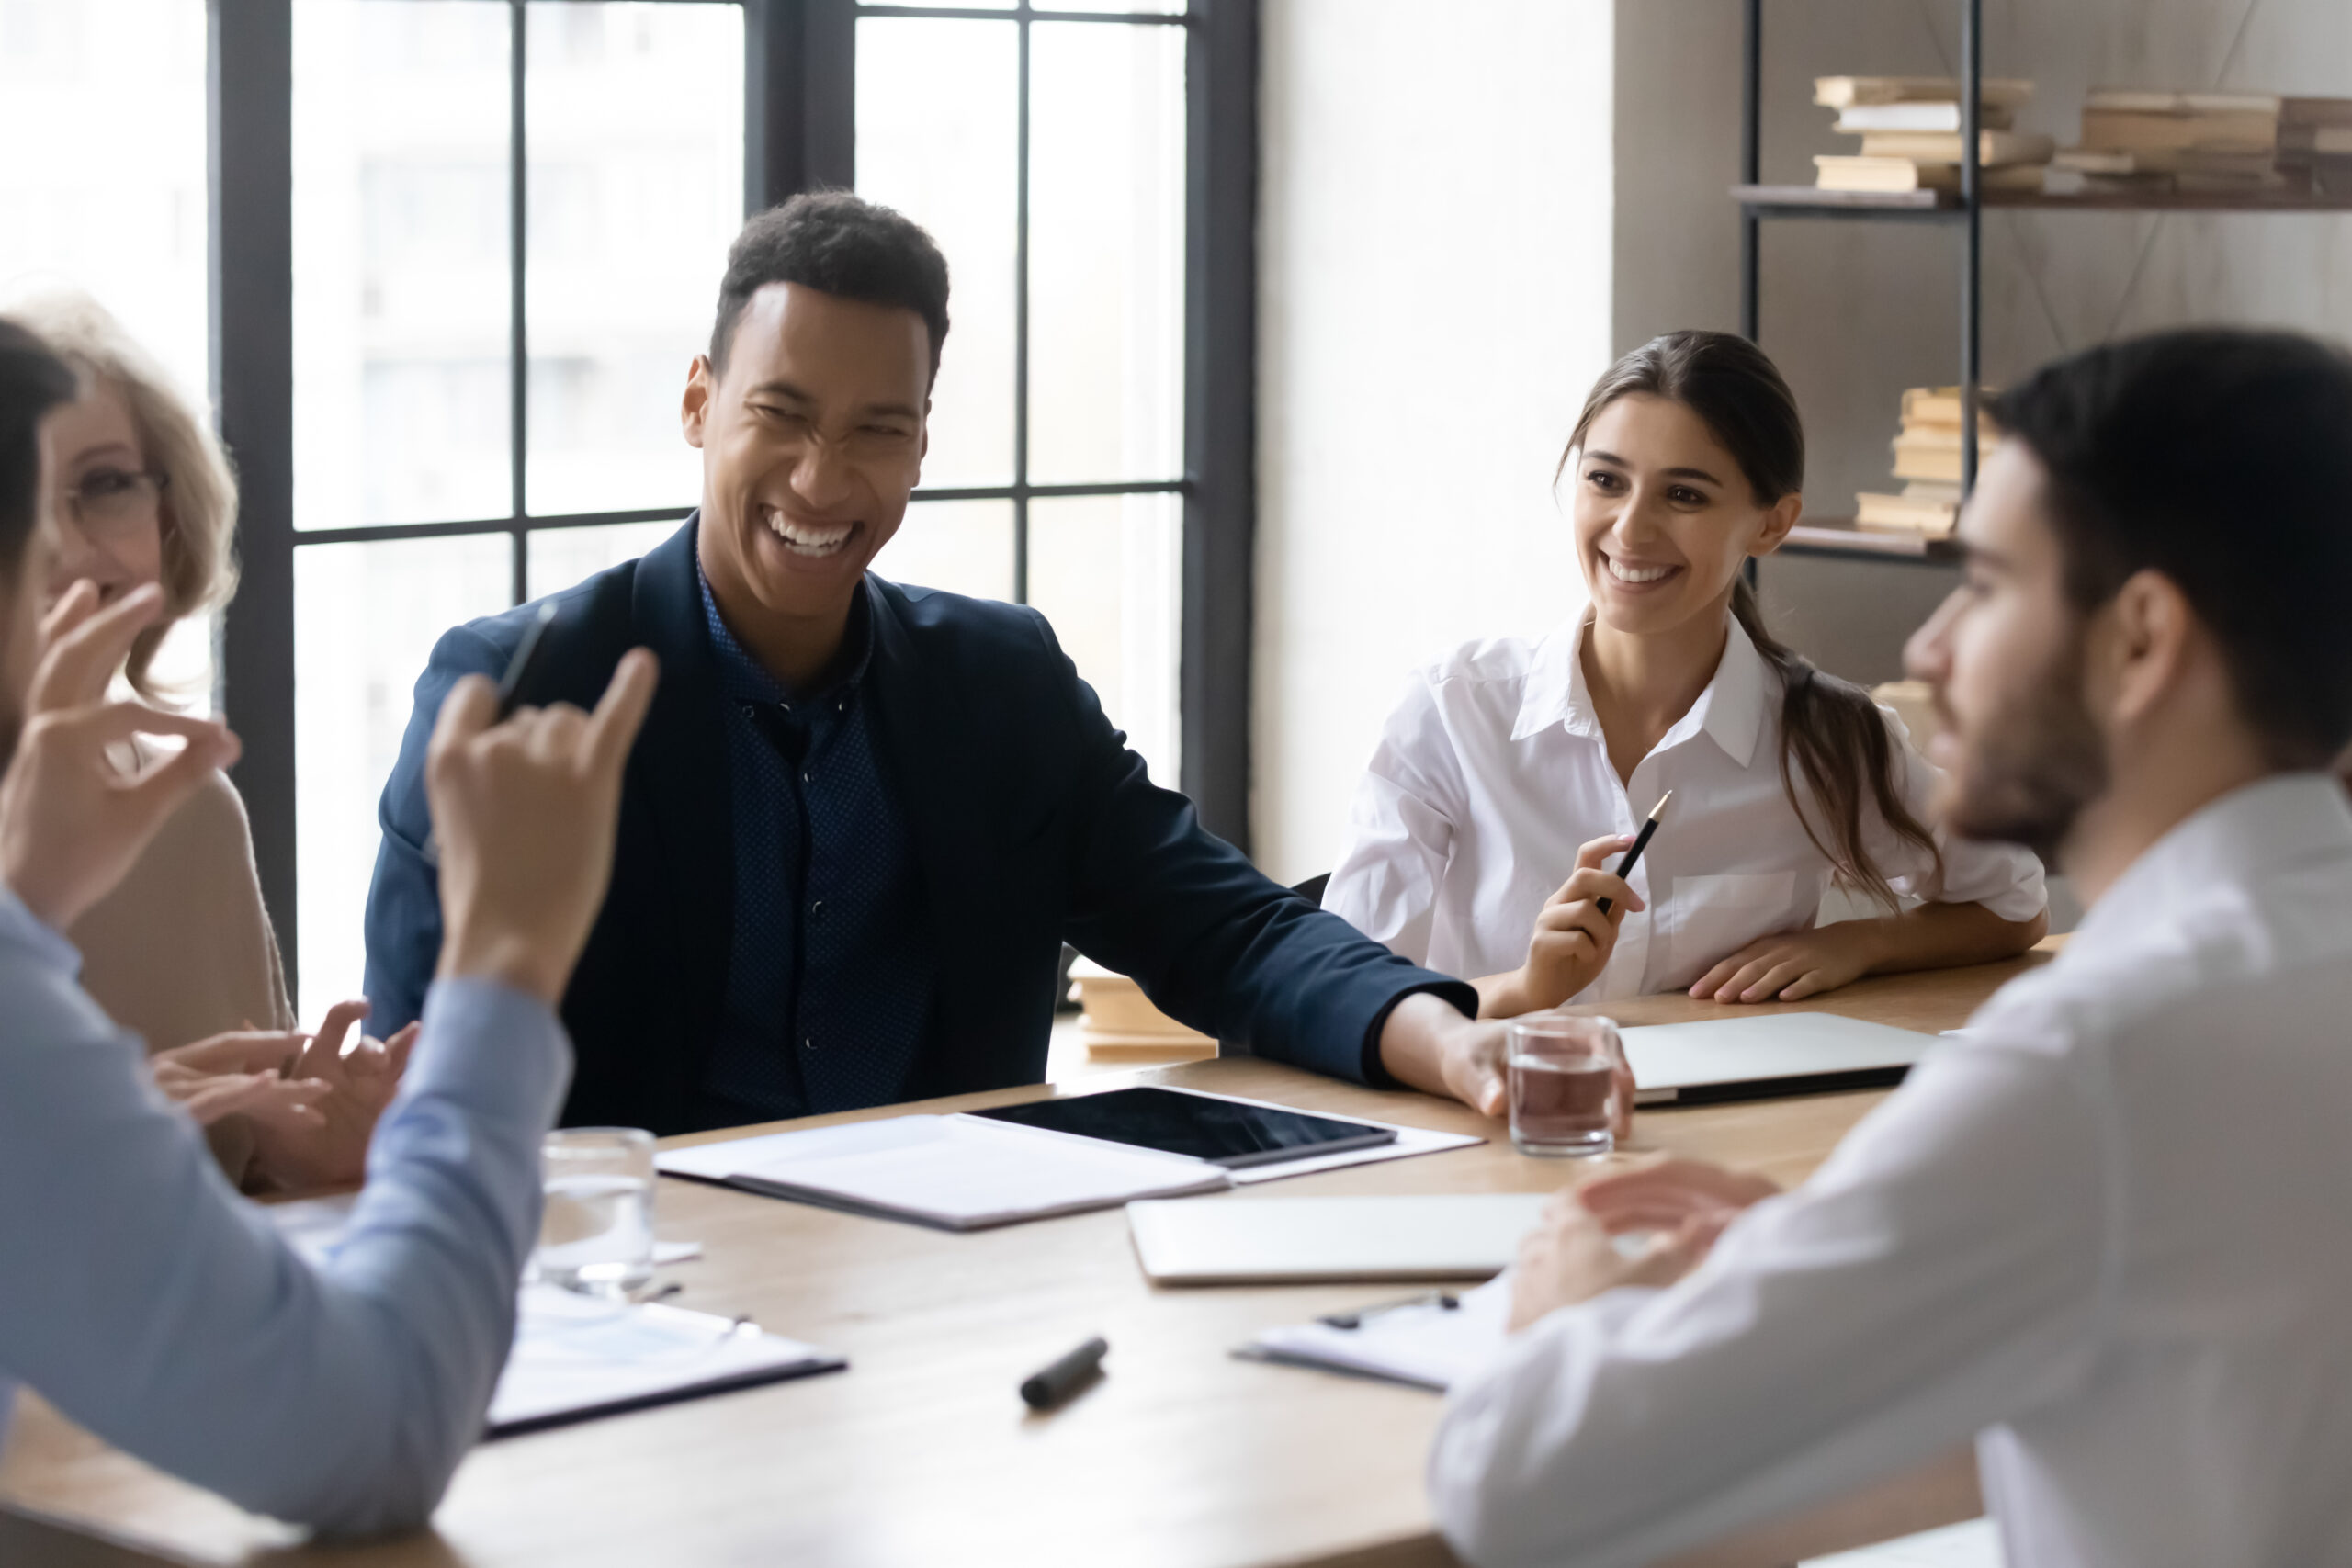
(1562, 1085)
(596, 1233)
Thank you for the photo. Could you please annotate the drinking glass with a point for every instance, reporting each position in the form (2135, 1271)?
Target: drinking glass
(596, 1234)
(1562, 1085)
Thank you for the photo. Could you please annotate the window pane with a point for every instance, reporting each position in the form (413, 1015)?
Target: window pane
(937, 138)
(102, 166)
(963, 547)
(1106, 252)
(561, 557)
(365, 616)
(116, 206)
(400, 234)
(634, 131)
(1107, 571)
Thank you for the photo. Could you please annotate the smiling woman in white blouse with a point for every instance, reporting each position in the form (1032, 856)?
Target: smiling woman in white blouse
(1515, 772)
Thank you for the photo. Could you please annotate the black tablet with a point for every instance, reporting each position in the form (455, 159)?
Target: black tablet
(1225, 1131)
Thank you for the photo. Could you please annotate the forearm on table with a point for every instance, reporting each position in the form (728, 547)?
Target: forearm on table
(1503, 995)
(1942, 936)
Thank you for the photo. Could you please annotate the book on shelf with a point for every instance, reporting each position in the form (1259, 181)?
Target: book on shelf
(1932, 454)
(2315, 141)
(1893, 175)
(2112, 161)
(1878, 513)
(2180, 102)
(2236, 131)
(1927, 489)
(1847, 91)
(1995, 149)
(1925, 406)
(1943, 114)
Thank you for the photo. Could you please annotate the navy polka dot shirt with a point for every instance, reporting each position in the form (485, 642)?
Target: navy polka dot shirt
(830, 972)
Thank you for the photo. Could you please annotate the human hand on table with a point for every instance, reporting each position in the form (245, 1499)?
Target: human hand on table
(1791, 965)
(1570, 1257)
(241, 1074)
(360, 1082)
(1427, 1044)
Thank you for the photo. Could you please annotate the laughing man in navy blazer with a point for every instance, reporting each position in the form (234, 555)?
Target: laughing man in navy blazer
(862, 819)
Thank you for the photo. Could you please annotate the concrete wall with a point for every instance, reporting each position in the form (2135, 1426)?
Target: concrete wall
(1434, 256)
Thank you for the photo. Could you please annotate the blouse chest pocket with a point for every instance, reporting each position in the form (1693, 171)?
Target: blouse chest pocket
(1715, 917)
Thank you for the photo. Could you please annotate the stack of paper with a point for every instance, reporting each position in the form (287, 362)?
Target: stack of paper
(1426, 1345)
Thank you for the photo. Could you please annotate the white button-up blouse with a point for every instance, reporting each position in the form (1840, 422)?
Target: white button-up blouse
(1492, 772)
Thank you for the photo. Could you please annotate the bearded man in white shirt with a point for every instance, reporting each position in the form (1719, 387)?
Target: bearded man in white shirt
(2103, 1233)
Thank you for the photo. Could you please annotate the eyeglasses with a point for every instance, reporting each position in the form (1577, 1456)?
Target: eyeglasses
(110, 502)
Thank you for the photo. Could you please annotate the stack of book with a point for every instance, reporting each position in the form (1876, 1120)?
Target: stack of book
(2154, 139)
(1119, 1020)
(1927, 457)
(1909, 128)
(2315, 144)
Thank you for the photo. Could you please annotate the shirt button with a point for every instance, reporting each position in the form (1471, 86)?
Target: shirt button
(816, 910)
(808, 1043)
(808, 775)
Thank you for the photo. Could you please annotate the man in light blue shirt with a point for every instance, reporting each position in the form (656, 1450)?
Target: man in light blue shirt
(138, 1292)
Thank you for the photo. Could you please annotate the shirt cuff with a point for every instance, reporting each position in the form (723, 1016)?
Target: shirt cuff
(1461, 993)
(499, 1049)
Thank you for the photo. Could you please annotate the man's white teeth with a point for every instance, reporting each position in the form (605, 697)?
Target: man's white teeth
(1636, 574)
(807, 540)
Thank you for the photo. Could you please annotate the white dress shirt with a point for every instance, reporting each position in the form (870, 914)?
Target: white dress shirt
(1492, 773)
(154, 1306)
(2104, 1233)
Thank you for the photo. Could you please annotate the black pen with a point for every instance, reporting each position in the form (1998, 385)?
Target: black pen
(529, 654)
(1044, 1390)
(1625, 866)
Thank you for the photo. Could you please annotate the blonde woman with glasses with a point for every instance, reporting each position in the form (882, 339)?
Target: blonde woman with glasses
(182, 952)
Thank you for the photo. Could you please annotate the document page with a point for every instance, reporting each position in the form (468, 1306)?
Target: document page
(1425, 1345)
(956, 1172)
(577, 1356)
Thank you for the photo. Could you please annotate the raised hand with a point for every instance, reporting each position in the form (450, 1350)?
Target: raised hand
(524, 812)
(71, 821)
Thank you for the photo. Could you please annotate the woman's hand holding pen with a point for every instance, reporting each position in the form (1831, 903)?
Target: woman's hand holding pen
(1573, 937)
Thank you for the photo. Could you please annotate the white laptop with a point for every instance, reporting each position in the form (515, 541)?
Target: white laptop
(1235, 1241)
(1751, 1056)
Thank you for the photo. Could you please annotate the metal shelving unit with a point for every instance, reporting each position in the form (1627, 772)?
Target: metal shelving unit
(1964, 208)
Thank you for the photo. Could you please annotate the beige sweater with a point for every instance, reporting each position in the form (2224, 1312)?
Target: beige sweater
(182, 949)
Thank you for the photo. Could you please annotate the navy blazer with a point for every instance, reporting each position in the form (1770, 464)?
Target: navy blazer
(1032, 824)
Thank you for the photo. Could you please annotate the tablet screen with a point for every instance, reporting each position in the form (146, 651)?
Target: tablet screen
(1228, 1133)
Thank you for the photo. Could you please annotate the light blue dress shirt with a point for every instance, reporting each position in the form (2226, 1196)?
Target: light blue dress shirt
(152, 1304)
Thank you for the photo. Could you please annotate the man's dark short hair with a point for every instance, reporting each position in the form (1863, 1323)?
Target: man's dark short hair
(837, 243)
(2221, 458)
(32, 381)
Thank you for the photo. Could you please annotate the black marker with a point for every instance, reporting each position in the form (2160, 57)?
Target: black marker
(529, 654)
(1625, 866)
(1045, 1389)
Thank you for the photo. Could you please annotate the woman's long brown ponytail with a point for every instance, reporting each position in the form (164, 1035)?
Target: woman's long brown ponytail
(1830, 730)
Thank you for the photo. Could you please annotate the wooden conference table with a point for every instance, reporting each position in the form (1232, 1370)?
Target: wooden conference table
(922, 1454)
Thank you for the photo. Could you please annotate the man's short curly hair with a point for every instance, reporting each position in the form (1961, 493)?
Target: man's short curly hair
(836, 243)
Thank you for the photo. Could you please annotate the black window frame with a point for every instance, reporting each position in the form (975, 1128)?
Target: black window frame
(799, 115)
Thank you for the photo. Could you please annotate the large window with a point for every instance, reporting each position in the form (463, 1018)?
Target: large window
(1047, 157)
(508, 222)
(103, 193)
(500, 226)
